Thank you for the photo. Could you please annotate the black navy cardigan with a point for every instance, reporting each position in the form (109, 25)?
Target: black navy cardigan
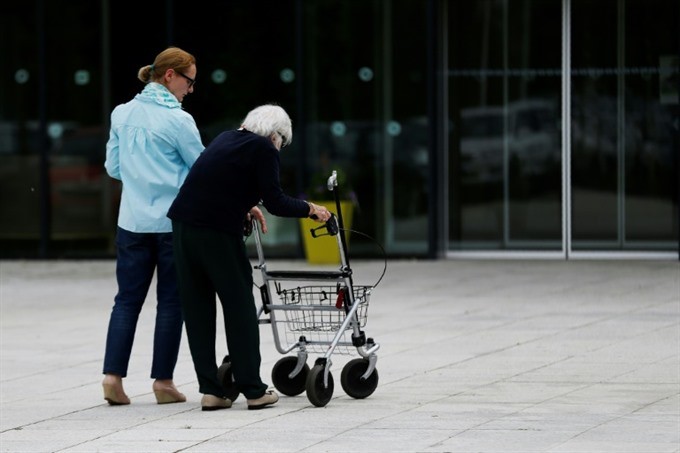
(234, 173)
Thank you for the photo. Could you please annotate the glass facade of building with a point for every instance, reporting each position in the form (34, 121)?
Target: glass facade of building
(464, 128)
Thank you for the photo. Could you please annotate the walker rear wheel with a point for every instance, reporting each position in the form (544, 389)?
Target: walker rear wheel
(317, 394)
(283, 383)
(226, 378)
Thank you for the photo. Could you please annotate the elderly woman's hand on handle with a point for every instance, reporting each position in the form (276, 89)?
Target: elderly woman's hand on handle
(256, 213)
(318, 213)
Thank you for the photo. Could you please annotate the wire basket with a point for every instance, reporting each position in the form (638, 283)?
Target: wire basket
(317, 313)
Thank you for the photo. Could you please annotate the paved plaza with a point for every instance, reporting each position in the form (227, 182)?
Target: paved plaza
(476, 356)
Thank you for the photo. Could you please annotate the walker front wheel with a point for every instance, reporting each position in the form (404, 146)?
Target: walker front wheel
(351, 380)
(318, 394)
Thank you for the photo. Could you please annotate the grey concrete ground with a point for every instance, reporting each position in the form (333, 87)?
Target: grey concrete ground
(476, 356)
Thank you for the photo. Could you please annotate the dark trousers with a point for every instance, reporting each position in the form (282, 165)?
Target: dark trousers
(211, 262)
(138, 256)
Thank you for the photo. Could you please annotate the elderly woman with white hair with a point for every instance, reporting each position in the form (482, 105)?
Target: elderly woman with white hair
(236, 171)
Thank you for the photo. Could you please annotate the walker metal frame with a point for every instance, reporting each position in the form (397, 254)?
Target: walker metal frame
(317, 311)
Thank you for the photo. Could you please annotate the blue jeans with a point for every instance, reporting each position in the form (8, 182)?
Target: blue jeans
(138, 256)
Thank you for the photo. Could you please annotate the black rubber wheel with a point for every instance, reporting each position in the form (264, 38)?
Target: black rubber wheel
(284, 384)
(226, 378)
(317, 394)
(351, 380)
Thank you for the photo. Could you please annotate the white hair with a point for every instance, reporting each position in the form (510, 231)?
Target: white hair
(268, 119)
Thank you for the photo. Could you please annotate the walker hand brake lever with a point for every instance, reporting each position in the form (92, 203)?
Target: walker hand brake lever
(331, 227)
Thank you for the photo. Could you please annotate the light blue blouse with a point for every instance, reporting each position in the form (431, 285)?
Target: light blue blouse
(152, 145)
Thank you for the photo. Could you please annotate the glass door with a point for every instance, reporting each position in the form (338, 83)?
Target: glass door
(624, 120)
(562, 130)
(504, 136)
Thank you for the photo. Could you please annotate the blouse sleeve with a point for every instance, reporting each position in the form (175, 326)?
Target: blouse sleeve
(112, 163)
(189, 142)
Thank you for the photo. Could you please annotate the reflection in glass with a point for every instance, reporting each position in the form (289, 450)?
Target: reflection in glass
(624, 148)
(504, 138)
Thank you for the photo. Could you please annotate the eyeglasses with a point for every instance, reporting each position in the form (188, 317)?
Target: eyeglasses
(284, 141)
(191, 81)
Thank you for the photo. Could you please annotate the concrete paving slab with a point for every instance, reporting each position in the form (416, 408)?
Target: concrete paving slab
(483, 356)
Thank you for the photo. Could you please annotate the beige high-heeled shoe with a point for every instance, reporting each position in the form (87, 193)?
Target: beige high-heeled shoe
(113, 391)
(167, 393)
